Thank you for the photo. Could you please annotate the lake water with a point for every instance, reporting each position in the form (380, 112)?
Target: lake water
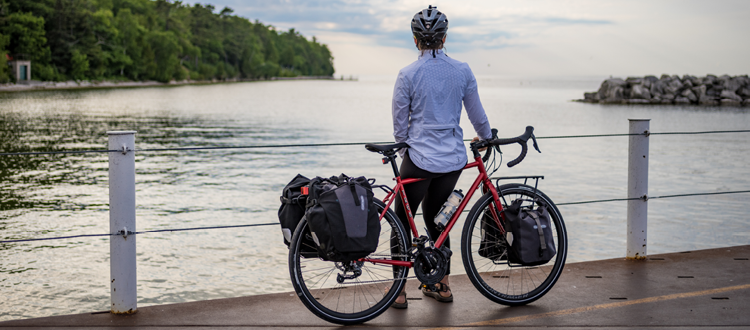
(63, 195)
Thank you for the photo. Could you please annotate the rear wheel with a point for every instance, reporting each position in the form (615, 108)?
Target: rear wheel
(489, 270)
(353, 292)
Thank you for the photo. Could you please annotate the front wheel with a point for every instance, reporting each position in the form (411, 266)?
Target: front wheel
(351, 292)
(484, 251)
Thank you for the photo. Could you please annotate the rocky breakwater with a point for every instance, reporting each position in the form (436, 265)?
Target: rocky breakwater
(709, 90)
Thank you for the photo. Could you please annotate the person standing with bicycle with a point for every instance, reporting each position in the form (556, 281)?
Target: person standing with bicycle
(426, 108)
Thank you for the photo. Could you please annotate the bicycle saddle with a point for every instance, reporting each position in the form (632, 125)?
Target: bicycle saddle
(382, 148)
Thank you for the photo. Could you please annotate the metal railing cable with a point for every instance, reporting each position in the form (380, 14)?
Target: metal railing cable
(340, 144)
(276, 223)
(655, 197)
(140, 232)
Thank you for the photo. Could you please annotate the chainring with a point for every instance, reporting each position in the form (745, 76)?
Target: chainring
(430, 266)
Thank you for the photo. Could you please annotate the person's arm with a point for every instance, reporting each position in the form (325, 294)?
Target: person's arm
(475, 111)
(400, 108)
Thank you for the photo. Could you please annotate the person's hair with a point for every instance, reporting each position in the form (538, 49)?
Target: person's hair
(422, 45)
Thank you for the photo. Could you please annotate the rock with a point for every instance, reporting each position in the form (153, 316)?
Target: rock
(708, 80)
(674, 87)
(708, 90)
(657, 87)
(640, 92)
(708, 100)
(731, 84)
(682, 100)
(688, 94)
(726, 94)
(612, 89)
(730, 102)
(699, 91)
(592, 96)
(712, 90)
(634, 80)
(649, 80)
(688, 77)
(638, 101)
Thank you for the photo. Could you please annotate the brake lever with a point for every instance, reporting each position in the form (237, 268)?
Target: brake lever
(494, 136)
(536, 146)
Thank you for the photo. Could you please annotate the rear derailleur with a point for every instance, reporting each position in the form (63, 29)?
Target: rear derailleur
(351, 269)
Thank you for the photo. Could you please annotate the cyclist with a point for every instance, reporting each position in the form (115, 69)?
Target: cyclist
(426, 109)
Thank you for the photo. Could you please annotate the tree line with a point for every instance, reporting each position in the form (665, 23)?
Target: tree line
(150, 40)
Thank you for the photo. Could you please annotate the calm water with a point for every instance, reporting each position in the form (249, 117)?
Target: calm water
(61, 195)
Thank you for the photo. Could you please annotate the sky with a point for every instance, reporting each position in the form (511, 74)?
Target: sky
(530, 38)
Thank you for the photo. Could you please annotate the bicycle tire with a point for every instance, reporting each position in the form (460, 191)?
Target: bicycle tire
(498, 280)
(354, 301)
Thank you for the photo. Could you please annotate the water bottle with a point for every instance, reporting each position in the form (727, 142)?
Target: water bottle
(448, 209)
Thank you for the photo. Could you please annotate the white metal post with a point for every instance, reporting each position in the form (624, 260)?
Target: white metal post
(638, 188)
(122, 222)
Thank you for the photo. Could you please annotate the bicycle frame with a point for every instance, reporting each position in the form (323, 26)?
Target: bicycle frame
(482, 177)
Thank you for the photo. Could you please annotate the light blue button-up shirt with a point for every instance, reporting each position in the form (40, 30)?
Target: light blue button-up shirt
(427, 111)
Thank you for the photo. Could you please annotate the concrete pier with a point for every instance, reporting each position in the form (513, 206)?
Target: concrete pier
(691, 290)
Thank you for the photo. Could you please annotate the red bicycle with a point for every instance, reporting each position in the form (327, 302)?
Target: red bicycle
(360, 290)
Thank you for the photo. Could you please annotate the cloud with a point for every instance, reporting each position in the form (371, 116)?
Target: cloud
(386, 22)
(573, 36)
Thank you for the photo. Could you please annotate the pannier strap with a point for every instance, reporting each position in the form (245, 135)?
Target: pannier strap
(353, 188)
(285, 200)
(539, 229)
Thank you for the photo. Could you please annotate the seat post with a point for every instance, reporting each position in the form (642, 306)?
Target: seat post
(392, 160)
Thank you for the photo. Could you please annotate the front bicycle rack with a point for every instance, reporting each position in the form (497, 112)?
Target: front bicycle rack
(525, 178)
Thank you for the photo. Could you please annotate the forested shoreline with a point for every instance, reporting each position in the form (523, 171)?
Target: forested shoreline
(141, 40)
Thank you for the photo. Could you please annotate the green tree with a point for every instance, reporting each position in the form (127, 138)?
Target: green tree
(129, 36)
(27, 39)
(4, 71)
(166, 49)
(153, 39)
(79, 65)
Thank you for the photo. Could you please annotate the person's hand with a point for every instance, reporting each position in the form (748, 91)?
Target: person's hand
(475, 139)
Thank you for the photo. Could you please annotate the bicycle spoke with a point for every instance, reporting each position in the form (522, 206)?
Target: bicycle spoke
(360, 296)
(484, 251)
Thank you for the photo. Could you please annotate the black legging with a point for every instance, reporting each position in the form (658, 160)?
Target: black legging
(433, 191)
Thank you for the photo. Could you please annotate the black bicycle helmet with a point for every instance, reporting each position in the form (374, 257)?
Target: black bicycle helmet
(429, 26)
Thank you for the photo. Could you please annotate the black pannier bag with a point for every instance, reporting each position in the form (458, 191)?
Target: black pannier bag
(342, 217)
(530, 234)
(492, 245)
(292, 210)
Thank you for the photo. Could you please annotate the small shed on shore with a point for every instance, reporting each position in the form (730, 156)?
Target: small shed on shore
(20, 67)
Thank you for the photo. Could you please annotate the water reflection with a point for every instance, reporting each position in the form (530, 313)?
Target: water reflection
(61, 195)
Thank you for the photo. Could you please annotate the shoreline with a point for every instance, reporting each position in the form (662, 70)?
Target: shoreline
(71, 84)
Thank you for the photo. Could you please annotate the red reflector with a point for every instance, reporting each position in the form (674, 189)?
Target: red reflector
(304, 190)
(385, 161)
